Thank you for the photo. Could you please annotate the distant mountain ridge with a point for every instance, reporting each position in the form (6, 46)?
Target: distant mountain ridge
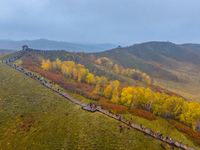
(157, 59)
(45, 44)
(154, 58)
(155, 50)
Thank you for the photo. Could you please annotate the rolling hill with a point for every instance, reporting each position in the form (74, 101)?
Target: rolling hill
(164, 53)
(63, 55)
(174, 67)
(193, 47)
(35, 117)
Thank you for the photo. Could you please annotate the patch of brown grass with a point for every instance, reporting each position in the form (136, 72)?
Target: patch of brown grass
(143, 113)
(113, 107)
(183, 128)
(157, 88)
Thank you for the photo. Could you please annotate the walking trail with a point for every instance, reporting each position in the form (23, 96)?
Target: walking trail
(105, 112)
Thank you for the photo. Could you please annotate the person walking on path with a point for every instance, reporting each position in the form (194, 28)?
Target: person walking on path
(121, 126)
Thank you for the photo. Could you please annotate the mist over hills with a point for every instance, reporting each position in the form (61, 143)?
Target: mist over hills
(45, 44)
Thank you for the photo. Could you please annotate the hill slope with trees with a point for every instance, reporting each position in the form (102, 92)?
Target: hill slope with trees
(42, 119)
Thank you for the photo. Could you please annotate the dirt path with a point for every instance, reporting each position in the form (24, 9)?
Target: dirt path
(105, 112)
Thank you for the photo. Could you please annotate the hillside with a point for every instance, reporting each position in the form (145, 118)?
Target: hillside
(45, 44)
(67, 56)
(147, 51)
(193, 47)
(51, 128)
(165, 77)
(160, 54)
(125, 59)
(176, 76)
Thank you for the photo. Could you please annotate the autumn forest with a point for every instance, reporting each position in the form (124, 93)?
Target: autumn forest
(125, 81)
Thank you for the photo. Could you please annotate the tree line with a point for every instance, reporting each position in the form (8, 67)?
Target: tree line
(131, 73)
(157, 103)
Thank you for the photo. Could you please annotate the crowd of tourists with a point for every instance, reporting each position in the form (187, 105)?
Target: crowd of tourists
(91, 105)
(151, 132)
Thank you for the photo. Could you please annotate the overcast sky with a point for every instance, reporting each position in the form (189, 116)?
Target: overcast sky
(124, 22)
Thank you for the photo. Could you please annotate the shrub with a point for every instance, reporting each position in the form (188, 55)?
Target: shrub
(91, 96)
(157, 88)
(183, 128)
(85, 86)
(31, 61)
(113, 107)
(51, 76)
(56, 72)
(68, 86)
(143, 113)
(174, 94)
(88, 95)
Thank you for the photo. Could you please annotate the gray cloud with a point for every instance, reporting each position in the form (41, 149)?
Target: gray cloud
(101, 21)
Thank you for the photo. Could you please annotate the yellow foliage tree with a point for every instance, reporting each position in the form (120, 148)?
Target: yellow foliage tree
(46, 65)
(98, 61)
(75, 73)
(58, 63)
(90, 78)
(81, 74)
(115, 92)
(116, 68)
(127, 96)
(107, 92)
(190, 113)
(54, 65)
(110, 64)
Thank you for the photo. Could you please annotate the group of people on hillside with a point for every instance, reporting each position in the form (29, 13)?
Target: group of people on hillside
(160, 135)
(151, 132)
(29, 73)
(16, 57)
(92, 106)
(156, 134)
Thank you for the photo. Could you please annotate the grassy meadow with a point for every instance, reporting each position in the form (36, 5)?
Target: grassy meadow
(189, 90)
(34, 117)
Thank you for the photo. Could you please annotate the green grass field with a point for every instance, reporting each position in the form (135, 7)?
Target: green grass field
(51, 128)
(189, 90)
